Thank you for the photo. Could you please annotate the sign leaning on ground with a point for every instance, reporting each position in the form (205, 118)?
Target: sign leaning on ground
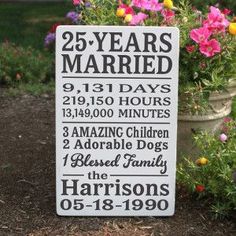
(116, 120)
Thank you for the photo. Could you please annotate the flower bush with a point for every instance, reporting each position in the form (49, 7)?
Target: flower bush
(212, 176)
(207, 43)
(22, 65)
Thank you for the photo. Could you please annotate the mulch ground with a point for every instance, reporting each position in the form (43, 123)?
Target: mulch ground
(27, 185)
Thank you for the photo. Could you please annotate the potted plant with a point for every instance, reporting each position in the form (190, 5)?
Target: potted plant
(207, 71)
(207, 53)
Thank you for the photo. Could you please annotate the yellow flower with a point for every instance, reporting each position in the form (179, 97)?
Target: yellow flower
(128, 18)
(120, 12)
(232, 28)
(168, 4)
(202, 161)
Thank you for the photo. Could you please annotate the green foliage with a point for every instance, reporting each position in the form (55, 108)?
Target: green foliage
(192, 100)
(102, 12)
(214, 170)
(25, 24)
(34, 89)
(231, 4)
(20, 65)
(234, 108)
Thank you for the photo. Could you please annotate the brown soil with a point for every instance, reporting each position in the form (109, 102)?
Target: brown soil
(27, 184)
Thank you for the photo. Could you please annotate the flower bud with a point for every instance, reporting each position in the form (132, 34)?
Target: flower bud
(223, 138)
(120, 12)
(200, 188)
(232, 28)
(168, 4)
(201, 161)
(128, 18)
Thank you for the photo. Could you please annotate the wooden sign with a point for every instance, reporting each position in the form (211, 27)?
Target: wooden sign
(116, 120)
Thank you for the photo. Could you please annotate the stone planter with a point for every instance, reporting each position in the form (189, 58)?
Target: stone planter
(219, 107)
(232, 87)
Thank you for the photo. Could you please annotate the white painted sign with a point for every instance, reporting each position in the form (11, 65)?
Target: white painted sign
(116, 120)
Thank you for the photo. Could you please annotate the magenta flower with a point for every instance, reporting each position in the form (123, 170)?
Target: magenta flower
(150, 5)
(223, 138)
(216, 21)
(210, 48)
(228, 119)
(139, 18)
(200, 35)
(76, 2)
(168, 15)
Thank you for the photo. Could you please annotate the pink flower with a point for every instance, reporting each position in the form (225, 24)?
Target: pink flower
(76, 2)
(216, 21)
(139, 18)
(151, 5)
(190, 48)
(210, 48)
(225, 127)
(223, 138)
(228, 119)
(138, 3)
(168, 15)
(200, 35)
(214, 15)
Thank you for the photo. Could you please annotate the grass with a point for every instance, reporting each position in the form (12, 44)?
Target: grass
(26, 24)
(33, 89)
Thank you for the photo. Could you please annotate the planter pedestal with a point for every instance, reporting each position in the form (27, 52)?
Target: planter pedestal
(219, 107)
